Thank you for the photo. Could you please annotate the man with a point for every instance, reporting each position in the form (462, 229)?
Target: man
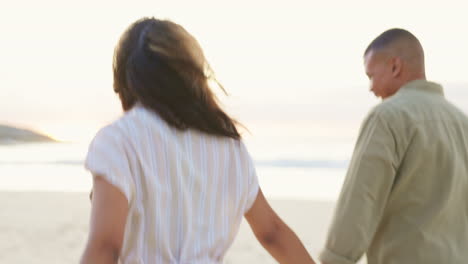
(405, 197)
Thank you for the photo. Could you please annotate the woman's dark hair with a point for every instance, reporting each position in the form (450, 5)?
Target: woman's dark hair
(160, 65)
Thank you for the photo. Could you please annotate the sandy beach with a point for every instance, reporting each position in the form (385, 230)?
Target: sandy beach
(47, 227)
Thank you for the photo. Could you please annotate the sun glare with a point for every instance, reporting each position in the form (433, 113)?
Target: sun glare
(69, 133)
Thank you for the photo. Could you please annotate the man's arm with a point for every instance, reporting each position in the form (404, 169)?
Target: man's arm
(274, 235)
(364, 194)
(107, 226)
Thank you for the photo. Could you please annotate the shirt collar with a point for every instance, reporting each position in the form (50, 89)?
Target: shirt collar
(423, 86)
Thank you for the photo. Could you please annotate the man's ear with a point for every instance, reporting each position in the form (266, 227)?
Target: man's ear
(397, 66)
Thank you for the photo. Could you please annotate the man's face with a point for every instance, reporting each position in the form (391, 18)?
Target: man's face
(379, 70)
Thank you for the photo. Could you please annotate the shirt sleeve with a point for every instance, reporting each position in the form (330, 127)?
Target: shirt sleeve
(364, 194)
(252, 179)
(108, 158)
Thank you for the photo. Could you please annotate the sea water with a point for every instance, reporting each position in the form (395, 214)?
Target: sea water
(288, 170)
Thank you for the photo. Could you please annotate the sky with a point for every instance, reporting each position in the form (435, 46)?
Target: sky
(295, 62)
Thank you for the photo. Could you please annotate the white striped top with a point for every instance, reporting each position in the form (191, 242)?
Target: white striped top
(187, 191)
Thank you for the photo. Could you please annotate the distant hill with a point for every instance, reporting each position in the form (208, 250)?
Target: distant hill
(13, 135)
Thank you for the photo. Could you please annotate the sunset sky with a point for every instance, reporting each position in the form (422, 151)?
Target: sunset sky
(280, 60)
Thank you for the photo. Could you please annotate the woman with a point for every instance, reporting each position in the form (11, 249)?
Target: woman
(172, 178)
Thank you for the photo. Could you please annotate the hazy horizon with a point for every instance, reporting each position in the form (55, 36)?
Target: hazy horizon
(328, 118)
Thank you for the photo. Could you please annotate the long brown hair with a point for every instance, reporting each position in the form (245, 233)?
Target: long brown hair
(159, 64)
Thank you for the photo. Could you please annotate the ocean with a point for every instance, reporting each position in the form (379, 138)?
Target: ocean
(293, 169)
(300, 151)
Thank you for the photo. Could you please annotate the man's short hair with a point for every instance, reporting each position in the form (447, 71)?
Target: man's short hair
(388, 37)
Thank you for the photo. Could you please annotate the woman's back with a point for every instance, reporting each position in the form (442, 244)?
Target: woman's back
(172, 178)
(187, 190)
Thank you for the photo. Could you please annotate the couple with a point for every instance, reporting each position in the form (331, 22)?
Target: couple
(173, 180)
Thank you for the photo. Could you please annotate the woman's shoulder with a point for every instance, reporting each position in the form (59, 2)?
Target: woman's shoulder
(130, 119)
(110, 133)
(117, 128)
(133, 124)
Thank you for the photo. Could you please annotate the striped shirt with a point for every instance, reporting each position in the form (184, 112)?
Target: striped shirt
(187, 191)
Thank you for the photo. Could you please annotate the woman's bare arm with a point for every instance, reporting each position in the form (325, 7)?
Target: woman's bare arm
(274, 235)
(107, 226)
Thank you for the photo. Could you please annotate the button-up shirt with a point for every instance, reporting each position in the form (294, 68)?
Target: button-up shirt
(187, 190)
(405, 196)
